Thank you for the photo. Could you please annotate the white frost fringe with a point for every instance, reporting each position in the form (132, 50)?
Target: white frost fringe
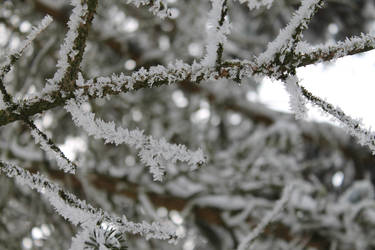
(35, 31)
(216, 33)
(296, 100)
(153, 153)
(79, 213)
(256, 4)
(158, 7)
(300, 19)
(46, 21)
(66, 50)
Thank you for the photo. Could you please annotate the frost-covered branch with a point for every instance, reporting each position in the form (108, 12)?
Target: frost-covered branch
(353, 126)
(256, 4)
(307, 54)
(180, 71)
(250, 163)
(157, 7)
(70, 54)
(35, 31)
(46, 143)
(268, 218)
(153, 153)
(52, 151)
(71, 51)
(66, 204)
(79, 213)
(116, 84)
(15, 55)
(218, 28)
(98, 237)
(296, 100)
(291, 34)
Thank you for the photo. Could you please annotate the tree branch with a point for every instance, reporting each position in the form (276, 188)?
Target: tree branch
(238, 70)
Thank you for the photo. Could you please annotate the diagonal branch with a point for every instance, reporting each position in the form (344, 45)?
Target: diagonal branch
(153, 153)
(71, 51)
(157, 7)
(305, 54)
(13, 57)
(52, 150)
(353, 126)
(278, 49)
(78, 212)
(46, 143)
(268, 218)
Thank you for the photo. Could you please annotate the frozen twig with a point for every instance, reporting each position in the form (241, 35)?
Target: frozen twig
(35, 31)
(157, 7)
(291, 34)
(195, 73)
(268, 218)
(218, 28)
(153, 153)
(16, 54)
(98, 237)
(256, 4)
(79, 213)
(46, 143)
(52, 151)
(353, 126)
(71, 51)
(296, 101)
(308, 54)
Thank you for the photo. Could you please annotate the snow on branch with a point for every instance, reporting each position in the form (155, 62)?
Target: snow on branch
(109, 85)
(98, 237)
(268, 218)
(46, 144)
(155, 76)
(35, 31)
(52, 151)
(303, 54)
(66, 50)
(153, 153)
(296, 100)
(256, 4)
(180, 71)
(79, 213)
(157, 7)
(353, 126)
(218, 28)
(309, 54)
(143, 78)
(15, 54)
(292, 33)
(66, 204)
(71, 50)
